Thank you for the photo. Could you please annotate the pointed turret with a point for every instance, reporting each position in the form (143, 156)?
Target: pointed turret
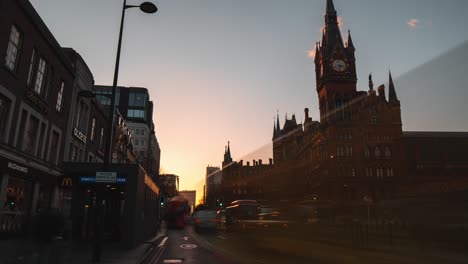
(317, 55)
(350, 41)
(278, 128)
(331, 35)
(274, 129)
(324, 39)
(371, 84)
(227, 155)
(392, 96)
(331, 12)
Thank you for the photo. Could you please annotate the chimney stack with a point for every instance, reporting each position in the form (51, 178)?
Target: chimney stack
(260, 162)
(270, 161)
(381, 90)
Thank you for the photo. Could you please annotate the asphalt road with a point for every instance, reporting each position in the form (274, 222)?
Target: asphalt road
(188, 246)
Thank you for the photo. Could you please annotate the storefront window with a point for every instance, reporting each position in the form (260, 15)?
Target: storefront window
(15, 195)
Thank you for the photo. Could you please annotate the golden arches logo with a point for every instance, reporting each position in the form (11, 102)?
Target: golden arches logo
(67, 182)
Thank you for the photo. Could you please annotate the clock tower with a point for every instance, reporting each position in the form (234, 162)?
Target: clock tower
(335, 67)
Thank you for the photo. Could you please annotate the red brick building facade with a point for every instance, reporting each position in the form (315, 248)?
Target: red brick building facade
(357, 153)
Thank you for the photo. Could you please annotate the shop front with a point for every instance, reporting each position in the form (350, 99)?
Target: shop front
(120, 201)
(24, 191)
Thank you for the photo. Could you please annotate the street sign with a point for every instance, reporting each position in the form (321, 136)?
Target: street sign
(106, 177)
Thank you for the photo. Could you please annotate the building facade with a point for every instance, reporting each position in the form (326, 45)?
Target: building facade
(80, 109)
(357, 154)
(213, 187)
(241, 181)
(170, 184)
(135, 107)
(36, 84)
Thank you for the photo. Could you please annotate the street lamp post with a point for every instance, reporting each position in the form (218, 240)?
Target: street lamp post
(146, 7)
(149, 8)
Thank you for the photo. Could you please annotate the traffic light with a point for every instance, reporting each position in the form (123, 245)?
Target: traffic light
(162, 201)
(11, 201)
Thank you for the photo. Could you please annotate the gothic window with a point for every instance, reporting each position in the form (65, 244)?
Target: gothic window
(377, 152)
(390, 172)
(340, 151)
(338, 109)
(347, 109)
(348, 151)
(369, 172)
(367, 153)
(387, 152)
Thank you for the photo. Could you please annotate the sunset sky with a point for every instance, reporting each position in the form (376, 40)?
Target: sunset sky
(219, 70)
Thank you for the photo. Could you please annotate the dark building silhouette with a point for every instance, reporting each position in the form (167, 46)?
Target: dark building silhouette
(213, 186)
(36, 81)
(356, 153)
(241, 181)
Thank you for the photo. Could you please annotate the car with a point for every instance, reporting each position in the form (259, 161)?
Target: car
(205, 220)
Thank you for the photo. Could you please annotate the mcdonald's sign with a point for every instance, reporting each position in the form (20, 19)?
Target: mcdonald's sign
(66, 182)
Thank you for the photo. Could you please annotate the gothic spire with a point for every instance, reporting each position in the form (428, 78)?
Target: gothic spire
(278, 128)
(274, 128)
(330, 7)
(332, 34)
(392, 96)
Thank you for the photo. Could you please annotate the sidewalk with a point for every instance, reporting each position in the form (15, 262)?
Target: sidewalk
(26, 251)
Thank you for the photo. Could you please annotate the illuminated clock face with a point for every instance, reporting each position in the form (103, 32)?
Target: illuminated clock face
(339, 65)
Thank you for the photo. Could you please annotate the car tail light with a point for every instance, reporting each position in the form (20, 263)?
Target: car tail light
(197, 220)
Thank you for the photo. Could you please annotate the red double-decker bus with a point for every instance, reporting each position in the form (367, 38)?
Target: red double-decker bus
(176, 209)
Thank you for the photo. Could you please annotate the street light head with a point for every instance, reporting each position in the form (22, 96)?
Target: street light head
(86, 94)
(148, 7)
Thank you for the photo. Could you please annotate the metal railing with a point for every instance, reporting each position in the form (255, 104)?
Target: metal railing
(11, 221)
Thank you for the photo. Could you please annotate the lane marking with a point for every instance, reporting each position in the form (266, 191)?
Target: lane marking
(186, 238)
(161, 244)
(221, 237)
(172, 261)
(188, 246)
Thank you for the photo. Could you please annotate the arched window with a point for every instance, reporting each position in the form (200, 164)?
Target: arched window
(346, 109)
(387, 152)
(338, 109)
(367, 153)
(377, 152)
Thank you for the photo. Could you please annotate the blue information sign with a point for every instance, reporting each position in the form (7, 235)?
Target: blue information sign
(92, 179)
